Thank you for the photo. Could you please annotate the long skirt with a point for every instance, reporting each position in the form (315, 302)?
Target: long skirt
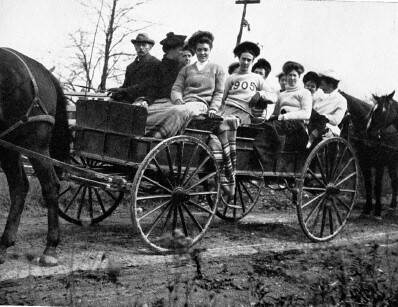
(169, 119)
(277, 136)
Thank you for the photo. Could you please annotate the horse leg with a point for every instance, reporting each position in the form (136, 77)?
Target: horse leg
(367, 177)
(18, 185)
(377, 189)
(50, 188)
(392, 170)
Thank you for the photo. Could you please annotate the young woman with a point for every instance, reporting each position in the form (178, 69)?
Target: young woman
(200, 86)
(286, 125)
(244, 88)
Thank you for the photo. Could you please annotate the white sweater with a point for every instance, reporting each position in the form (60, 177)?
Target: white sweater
(297, 102)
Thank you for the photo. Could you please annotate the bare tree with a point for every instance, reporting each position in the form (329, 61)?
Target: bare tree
(100, 52)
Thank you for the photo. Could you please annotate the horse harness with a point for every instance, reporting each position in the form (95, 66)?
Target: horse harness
(36, 103)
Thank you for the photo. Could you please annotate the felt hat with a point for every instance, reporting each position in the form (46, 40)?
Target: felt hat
(172, 40)
(330, 74)
(250, 47)
(143, 38)
(197, 36)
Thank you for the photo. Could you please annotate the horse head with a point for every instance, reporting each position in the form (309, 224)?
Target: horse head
(383, 119)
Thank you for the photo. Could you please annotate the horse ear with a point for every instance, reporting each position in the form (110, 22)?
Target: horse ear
(391, 95)
(376, 98)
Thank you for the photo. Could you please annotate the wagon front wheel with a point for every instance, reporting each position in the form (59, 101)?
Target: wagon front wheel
(175, 194)
(83, 204)
(327, 189)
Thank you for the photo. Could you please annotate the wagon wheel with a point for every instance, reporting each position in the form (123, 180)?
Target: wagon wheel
(82, 204)
(330, 180)
(247, 192)
(182, 176)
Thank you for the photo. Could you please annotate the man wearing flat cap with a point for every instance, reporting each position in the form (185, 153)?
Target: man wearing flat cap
(139, 72)
(332, 104)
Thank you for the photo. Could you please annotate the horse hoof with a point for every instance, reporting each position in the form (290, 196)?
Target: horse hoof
(47, 260)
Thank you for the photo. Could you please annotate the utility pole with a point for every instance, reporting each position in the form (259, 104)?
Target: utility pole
(243, 22)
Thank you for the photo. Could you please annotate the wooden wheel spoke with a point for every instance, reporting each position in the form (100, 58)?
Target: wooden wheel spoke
(179, 157)
(321, 169)
(192, 217)
(317, 206)
(156, 183)
(73, 159)
(324, 210)
(157, 220)
(190, 202)
(157, 165)
(316, 178)
(208, 176)
(340, 160)
(241, 198)
(314, 189)
(196, 171)
(170, 164)
(188, 166)
(184, 226)
(336, 210)
(343, 170)
(312, 200)
(154, 210)
(342, 203)
(246, 191)
(110, 195)
(152, 197)
(171, 209)
(65, 191)
(175, 216)
(346, 178)
(79, 210)
(99, 200)
(73, 198)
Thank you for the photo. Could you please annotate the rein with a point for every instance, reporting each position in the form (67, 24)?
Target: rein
(36, 103)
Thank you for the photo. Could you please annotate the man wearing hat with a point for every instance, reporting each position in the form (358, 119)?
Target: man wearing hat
(164, 118)
(332, 104)
(139, 72)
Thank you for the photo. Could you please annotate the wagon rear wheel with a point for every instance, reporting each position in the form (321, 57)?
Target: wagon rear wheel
(175, 194)
(327, 189)
(248, 186)
(82, 204)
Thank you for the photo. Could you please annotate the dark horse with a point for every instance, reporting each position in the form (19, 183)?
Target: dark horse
(371, 137)
(33, 116)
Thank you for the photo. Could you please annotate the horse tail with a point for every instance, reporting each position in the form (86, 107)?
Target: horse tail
(61, 138)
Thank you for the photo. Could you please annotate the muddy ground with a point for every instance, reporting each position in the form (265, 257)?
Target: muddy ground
(264, 260)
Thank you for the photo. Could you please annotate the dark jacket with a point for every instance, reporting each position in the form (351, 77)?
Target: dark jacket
(138, 76)
(163, 80)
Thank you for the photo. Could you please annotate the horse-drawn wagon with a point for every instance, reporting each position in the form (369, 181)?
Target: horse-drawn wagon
(174, 184)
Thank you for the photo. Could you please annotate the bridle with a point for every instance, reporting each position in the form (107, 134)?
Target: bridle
(36, 102)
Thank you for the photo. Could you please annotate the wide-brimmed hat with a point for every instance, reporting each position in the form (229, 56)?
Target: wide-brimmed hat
(172, 40)
(198, 35)
(330, 73)
(250, 47)
(143, 38)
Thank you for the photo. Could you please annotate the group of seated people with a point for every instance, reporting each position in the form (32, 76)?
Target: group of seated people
(173, 90)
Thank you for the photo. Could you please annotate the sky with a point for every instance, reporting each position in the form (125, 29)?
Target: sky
(357, 39)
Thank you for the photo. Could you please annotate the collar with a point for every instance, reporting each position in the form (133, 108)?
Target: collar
(144, 58)
(201, 65)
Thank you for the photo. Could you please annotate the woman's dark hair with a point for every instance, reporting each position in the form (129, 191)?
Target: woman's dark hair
(313, 77)
(186, 48)
(280, 75)
(232, 67)
(201, 37)
(264, 64)
(290, 66)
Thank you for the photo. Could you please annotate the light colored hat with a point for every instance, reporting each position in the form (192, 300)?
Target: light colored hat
(143, 38)
(330, 74)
